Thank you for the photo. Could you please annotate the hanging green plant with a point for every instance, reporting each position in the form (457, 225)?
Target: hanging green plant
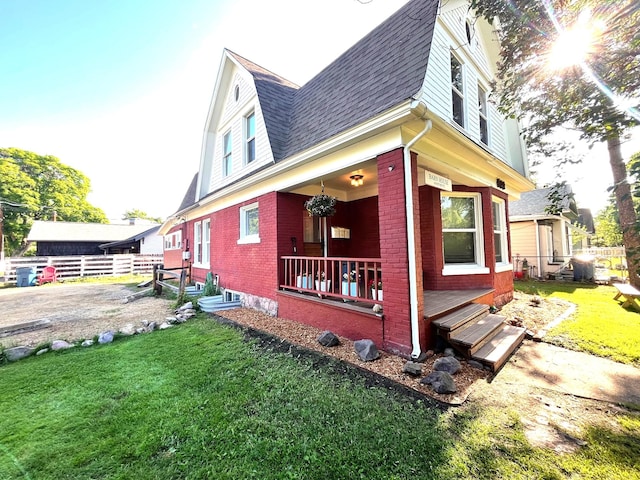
(321, 205)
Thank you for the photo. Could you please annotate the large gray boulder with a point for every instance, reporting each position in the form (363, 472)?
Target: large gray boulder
(447, 364)
(18, 353)
(106, 337)
(366, 350)
(328, 339)
(412, 368)
(440, 382)
(60, 345)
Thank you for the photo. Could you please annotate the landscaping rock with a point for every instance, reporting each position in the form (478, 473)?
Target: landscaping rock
(412, 368)
(87, 343)
(151, 326)
(18, 353)
(449, 352)
(186, 306)
(366, 350)
(164, 326)
(447, 364)
(41, 352)
(141, 330)
(440, 382)
(60, 345)
(128, 330)
(106, 337)
(328, 339)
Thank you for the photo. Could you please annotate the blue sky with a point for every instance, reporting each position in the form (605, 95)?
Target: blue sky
(119, 89)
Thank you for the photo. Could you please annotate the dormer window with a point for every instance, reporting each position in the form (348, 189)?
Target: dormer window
(250, 137)
(457, 91)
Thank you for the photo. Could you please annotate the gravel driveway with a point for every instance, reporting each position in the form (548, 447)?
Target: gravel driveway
(74, 311)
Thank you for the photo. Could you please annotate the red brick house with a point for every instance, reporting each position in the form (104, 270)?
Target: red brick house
(399, 129)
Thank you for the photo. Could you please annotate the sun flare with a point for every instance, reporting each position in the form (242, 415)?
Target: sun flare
(575, 44)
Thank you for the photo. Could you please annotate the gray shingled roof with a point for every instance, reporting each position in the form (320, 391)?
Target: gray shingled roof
(536, 201)
(189, 197)
(384, 69)
(276, 98)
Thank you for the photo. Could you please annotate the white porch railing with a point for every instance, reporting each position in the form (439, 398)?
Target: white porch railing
(354, 279)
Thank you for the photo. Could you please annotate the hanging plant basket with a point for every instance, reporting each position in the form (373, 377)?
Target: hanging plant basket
(321, 205)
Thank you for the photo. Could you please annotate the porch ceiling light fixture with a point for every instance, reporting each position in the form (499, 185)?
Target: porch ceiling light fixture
(357, 180)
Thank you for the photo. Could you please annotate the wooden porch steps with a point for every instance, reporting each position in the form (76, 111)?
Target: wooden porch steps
(497, 351)
(458, 319)
(478, 334)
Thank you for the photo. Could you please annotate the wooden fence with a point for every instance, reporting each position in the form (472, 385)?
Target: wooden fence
(79, 266)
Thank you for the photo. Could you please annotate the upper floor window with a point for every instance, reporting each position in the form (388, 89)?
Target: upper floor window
(226, 155)
(457, 91)
(482, 115)
(249, 224)
(250, 137)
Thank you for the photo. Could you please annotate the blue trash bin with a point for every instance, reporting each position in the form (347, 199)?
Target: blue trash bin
(25, 276)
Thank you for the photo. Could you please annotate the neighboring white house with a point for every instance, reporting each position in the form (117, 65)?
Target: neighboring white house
(547, 241)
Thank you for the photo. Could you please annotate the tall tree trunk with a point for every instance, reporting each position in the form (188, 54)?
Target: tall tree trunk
(626, 212)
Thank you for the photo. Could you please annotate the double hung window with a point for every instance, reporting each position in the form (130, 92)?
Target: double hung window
(227, 157)
(250, 137)
(457, 91)
(462, 240)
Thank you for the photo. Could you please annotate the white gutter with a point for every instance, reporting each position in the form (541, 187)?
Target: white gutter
(411, 240)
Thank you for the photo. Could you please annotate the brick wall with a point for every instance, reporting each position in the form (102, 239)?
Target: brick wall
(393, 251)
(431, 240)
(353, 325)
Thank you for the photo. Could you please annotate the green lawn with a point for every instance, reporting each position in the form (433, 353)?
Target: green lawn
(600, 325)
(198, 402)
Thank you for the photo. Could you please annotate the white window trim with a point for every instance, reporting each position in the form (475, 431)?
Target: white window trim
(465, 120)
(483, 115)
(479, 267)
(247, 139)
(206, 242)
(501, 266)
(168, 244)
(244, 238)
(227, 172)
(197, 244)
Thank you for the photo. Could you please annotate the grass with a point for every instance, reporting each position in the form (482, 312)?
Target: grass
(197, 401)
(600, 325)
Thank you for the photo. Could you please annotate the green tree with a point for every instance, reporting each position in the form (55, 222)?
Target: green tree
(135, 213)
(40, 187)
(607, 222)
(604, 49)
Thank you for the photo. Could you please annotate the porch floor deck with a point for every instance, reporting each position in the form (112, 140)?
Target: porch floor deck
(437, 302)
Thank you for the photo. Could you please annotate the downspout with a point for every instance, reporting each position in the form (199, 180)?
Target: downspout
(535, 220)
(411, 239)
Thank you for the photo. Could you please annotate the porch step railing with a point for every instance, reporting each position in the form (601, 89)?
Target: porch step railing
(346, 278)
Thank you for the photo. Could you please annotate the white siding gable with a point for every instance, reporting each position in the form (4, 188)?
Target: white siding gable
(450, 37)
(233, 103)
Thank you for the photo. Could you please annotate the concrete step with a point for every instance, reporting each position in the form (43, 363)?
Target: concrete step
(459, 318)
(497, 350)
